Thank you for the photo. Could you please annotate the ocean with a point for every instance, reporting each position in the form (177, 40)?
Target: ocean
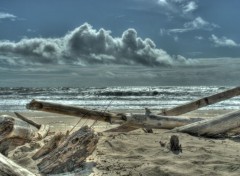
(113, 98)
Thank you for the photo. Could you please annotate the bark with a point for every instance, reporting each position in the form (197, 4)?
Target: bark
(71, 153)
(212, 127)
(9, 168)
(49, 146)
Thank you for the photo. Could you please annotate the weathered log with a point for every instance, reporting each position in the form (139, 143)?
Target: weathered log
(157, 121)
(9, 168)
(72, 110)
(52, 144)
(202, 102)
(14, 132)
(43, 129)
(212, 127)
(71, 153)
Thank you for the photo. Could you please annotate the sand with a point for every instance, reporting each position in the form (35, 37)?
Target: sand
(140, 154)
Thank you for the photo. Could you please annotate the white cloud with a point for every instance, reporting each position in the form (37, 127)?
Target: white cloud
(190, 7)
(85, 45)
(196, 24)
(223, 41)
(7, 16)
(178, 7)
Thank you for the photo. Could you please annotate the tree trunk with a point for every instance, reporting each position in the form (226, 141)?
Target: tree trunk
(212, 127)
(9, 168)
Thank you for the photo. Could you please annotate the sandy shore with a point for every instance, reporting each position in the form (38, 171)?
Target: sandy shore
(137, 153)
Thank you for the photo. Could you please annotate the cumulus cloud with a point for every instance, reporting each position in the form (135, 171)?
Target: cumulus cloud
(4, 15)
(196, 24)
(223, 41)
(85, 45)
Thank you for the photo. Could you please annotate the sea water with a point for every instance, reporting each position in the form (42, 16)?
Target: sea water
(113, 98)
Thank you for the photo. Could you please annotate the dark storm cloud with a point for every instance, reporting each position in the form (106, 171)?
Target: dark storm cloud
(85, 45)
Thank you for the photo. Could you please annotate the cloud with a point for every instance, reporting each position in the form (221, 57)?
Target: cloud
(196, 24)
(223, 41)
(190, 7)
(4, 15)
(178, 7)
(85, 45)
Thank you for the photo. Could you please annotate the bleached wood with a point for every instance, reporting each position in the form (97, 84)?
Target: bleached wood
(212, 127)
(71, 153)
(202, 102)
(9, 168)
(157, 121)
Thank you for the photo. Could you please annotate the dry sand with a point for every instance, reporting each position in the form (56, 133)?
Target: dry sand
(140, 154)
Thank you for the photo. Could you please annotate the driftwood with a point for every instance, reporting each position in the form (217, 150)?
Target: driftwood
(175, 146)
(72, 110)
(14, 132)
(182, 109)
(49, 146)
(134, 120)
(212, 127)
(38, 126)
(179, 110)
(71, 153)
(158, 121)
(9, 168)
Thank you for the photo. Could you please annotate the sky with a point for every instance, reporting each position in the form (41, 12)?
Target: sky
(99, 43)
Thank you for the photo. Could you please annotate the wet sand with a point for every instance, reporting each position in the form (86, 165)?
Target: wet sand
(138, 153)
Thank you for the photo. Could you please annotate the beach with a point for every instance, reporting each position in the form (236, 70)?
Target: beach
(138, 153)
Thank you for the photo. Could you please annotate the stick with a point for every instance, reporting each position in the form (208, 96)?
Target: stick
(38, 126)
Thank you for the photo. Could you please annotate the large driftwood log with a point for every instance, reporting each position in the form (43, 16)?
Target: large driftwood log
(188, 107)
(212, 127)
(71, 153)
(158, 121)
(14, 132)
(9, 168)
(202, 102)
(72, 110)
(134, 120)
